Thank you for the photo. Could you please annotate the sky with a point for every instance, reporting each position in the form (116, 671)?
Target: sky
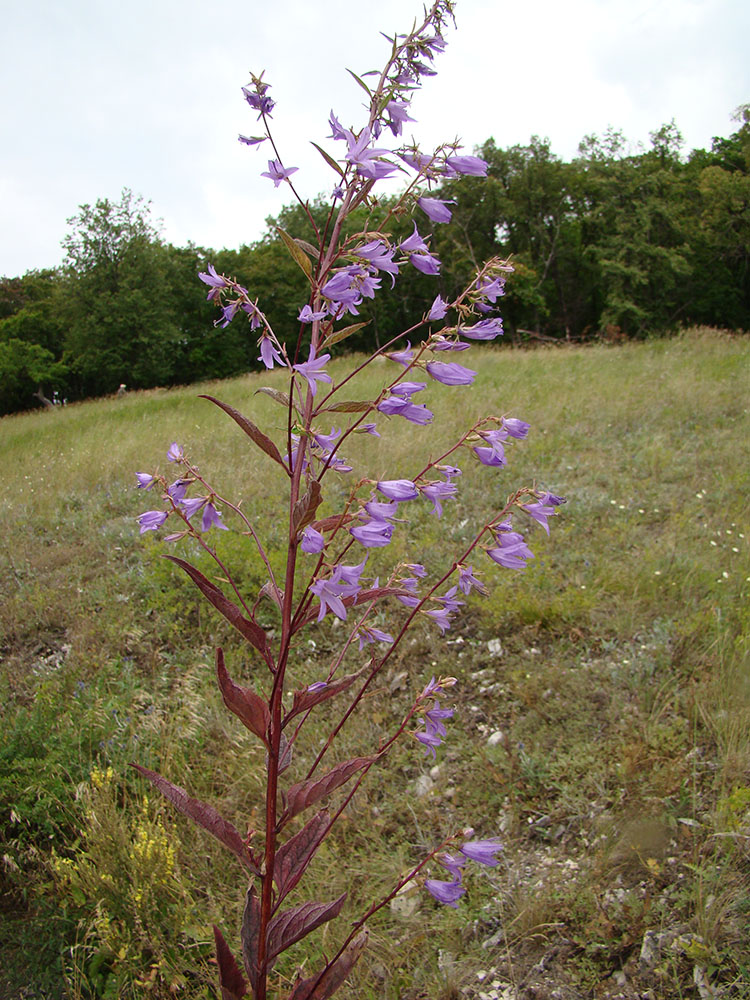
(146, 94)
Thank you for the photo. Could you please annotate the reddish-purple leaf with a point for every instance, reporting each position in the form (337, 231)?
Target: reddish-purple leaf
(305, 793)
(292, 925)
(252, 632)
(276, 394)
(231, 980)
(295, 855)
(257, 435)
(325, 984)
(250, 936)
(304, 699)
(304, 509)
(202, 814)
(246, 704)
(333, 523)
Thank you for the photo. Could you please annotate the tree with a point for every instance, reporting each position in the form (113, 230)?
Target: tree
(122, 324)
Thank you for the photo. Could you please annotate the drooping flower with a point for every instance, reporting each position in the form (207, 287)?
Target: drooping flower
(398, 114)
(373, 534)
(313, 370)
(472, 166)
(152, 520)
(437, 492)
(269, 355)
(403, 357)
(212, 518)
(427, 263)
(540, 512)
(251, 140)
(435, 209)
(307, 315)
(450, 373)
(511, 551)
(145, 480)
(468, 582)
(482, 851)
(398, 489)
(175, 452)
(516, 428)
(368, 634)
(485, 329)
(438, 309)
(453, 862)
(416, 414)
(191, 505)
(277, 172)
(414, 243)
(215, 282)
(312, 541)
(447, 893)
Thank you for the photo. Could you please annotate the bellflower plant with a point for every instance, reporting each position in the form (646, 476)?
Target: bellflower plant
(325, 574)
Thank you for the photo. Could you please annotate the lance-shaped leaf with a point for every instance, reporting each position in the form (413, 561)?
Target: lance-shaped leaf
(202, 814)
(347, 406)
(338, 335)
(255, 433)
(292, 925)
(250, 936)
(329, 160)
(252, 632)
(276, 394)
(304, 509)
(249, 707)
(361, 82)
(295, 855)
(231, 980)
(298, 255)
(333, 523)
(304, 698)
(325, 984)
(306, 793)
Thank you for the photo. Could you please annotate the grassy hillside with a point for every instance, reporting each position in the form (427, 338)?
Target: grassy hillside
(603, 710)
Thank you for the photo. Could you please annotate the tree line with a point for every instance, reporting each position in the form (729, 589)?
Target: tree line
(613, 244)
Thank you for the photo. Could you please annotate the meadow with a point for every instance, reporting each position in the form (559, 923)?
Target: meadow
(602, 722)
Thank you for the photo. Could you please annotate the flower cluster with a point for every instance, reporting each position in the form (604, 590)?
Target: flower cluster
(323, 578)
(481, 851)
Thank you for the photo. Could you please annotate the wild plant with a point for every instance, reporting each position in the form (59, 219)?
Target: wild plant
(329, 540)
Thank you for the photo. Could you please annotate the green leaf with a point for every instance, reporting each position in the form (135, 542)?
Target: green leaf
(329, 160)
(361, 82)
(295, 252)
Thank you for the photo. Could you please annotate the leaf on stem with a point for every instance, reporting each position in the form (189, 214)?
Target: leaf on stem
(255, 433)
(250, 937)
(202, 814)
(276, 394)
(333, 523)
(292, 925)
(305, 793)
(325, 984)
(347, 405)
(306, 506)
(361, 82)
(296, 854)
(338, 335)
(329, 160)
(252, 632)
(304, 699)
(249, 707)
(296, 253)
(231, 980)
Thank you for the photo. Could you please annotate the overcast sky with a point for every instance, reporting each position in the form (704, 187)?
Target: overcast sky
(97, 96)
